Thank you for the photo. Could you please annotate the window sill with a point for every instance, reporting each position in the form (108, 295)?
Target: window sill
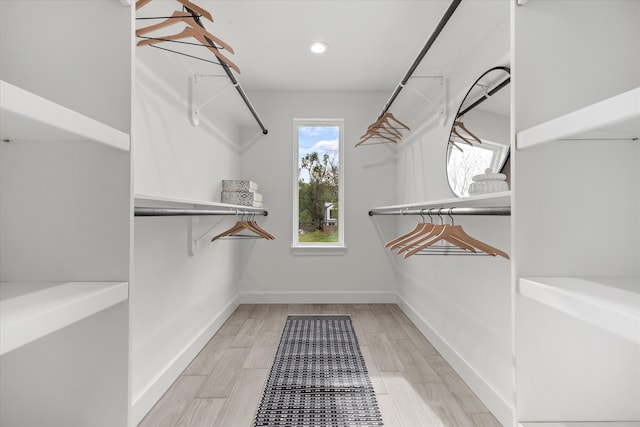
(318, 250)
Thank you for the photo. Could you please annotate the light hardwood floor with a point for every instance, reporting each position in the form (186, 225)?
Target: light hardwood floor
(414, 385)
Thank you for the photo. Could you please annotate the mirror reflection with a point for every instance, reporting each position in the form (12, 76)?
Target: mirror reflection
(479, 138)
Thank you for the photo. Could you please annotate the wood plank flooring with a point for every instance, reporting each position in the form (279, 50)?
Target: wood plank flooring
(414, 385)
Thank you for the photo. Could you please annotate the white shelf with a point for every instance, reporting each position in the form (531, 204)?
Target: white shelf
(28, 117)
(29, 311)
(614, 118)
(147, 200)
(493, 200)
(610, 303)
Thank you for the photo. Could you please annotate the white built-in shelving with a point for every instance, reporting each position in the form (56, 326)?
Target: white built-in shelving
(577, 313)
(65, 213)
(148, 200)
(64, 246)
(25, 116)
(32, 310)
(608, 303)
(576, 287)
(611, 302)
(501, 199)
(29, 311)
(615, 118)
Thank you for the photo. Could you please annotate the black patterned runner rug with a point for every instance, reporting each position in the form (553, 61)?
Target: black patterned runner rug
(318, 377)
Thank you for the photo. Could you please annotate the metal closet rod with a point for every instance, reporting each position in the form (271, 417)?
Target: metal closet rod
(492, 211)
(443, 21)
(234, 81)
(142, 211)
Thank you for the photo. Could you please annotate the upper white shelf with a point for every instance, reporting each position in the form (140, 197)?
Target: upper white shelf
(148, 200)
(28, 117)
(29, 311)
(493, 200)
(610, 303)
(614, 118)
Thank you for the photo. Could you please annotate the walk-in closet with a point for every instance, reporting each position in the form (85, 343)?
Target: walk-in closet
(321, 213)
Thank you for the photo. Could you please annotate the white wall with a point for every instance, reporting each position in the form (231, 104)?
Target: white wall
(270, 272)
(43, 51)
(462, 304)
(178, 300)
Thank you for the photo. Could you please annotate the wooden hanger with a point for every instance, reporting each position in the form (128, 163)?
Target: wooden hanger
(187, 18)
(383, 127)
(141, 3)
(455, 145)
(421, 229)
(419, 239)
(462, 126)
(244, 225)
(186, 3)
(198, 35)
(456, 235)
(454, 131)
(197, 9)
(383, 132)
(375, 134)
(388, 115)
(175, 17)
(257, 228)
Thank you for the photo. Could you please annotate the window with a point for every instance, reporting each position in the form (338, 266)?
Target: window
(318, 208)
(463, 165)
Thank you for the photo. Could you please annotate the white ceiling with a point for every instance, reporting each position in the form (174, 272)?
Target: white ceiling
(372, 43)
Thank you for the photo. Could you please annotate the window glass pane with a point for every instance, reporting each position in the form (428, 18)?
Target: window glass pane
(464, 165)
(318, 185)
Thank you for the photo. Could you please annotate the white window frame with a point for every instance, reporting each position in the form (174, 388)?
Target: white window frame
(318, 248)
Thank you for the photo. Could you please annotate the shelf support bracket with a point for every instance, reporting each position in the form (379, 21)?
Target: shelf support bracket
(442, 105)
(194, 110)
(192, 240)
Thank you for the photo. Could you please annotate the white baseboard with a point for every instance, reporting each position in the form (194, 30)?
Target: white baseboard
(144, 400)
(346, 297)
(498, 406)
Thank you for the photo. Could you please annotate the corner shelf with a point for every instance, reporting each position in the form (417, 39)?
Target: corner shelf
(609, 303)
(501, 199)
(29, 311)
(148, 200)
(28, 117)
(615, 118)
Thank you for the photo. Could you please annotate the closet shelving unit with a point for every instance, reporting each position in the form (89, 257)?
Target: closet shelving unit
(615, 118)
(59, 290)
(501, 199)
(157, 201)
(33, 310)
(582, 332)
(157, 206)
(612, 302)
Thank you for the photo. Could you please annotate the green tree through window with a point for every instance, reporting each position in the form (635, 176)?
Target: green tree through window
(318, 182)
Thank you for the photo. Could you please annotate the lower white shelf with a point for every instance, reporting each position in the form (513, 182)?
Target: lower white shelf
(610, 303)
(29, 311)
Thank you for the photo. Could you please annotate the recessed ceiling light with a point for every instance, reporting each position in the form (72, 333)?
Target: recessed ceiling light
(318, 47)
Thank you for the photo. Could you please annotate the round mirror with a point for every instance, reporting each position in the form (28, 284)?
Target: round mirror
(479, 139)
